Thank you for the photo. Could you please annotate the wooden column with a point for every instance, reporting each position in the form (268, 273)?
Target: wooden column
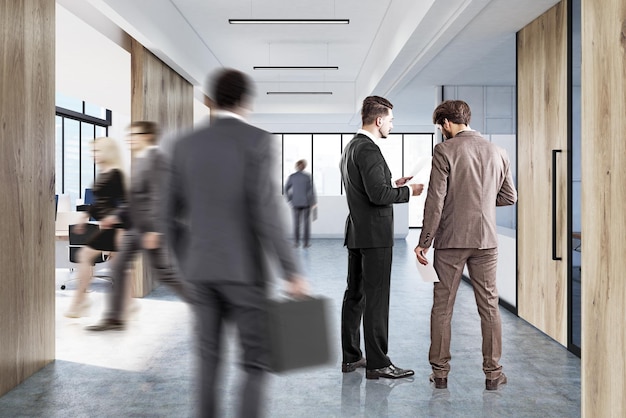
(603, 275)
(158, 94)
(542, 127)
(27, 132)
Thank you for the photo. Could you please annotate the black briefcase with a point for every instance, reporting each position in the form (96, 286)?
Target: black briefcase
(299, 333)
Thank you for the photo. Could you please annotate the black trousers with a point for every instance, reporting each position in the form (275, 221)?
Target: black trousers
(367, 297)
(246, 307)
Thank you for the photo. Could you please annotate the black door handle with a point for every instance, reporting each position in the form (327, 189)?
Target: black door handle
(554, 208)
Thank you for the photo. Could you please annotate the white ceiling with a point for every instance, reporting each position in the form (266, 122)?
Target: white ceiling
(390, 47)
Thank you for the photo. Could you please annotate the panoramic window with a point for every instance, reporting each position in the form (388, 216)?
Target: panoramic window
(76, 128)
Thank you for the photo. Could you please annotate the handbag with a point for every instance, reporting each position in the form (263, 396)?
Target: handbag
(298, 333)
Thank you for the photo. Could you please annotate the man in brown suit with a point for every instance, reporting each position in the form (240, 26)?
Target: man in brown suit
(470, 177)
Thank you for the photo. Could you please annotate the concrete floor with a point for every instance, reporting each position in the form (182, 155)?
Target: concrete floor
(148, 369)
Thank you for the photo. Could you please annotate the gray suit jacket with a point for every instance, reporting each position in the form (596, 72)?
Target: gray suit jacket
(221, 187)
(143, 211)
(300, 191)
(370, 194)
(470, 177)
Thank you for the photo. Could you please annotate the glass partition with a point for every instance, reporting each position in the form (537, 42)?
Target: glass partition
(325, 164)
(296, 147)
(576, 182)
(323, 153)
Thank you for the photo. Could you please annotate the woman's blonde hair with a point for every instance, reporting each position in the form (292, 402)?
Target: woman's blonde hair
(109, 152)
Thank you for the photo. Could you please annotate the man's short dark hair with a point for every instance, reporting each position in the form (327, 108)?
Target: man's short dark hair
(229, 87)
(301, 165)
(456, 111)
(374, 107)
(146, 127)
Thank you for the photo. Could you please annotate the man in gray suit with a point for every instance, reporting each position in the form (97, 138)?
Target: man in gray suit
(301, 196)
(144, 225)
(369, 237)
(470, 176)
(221, 187)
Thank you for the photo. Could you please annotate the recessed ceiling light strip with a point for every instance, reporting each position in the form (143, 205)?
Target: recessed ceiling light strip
(305, 67)
(289, 21)
(299, 92)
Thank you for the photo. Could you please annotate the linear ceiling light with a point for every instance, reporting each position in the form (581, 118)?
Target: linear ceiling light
(299, 92)
(309, 67)
(289, 21)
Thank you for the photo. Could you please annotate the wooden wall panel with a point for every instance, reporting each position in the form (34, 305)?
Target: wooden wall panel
(27, 134)
(603, 266)
(542, 127)
(161, 95)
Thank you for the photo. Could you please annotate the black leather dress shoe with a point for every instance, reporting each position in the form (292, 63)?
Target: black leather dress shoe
(350, 367)
(494, 384)
(440, 382)
(107, 325)
(389, 372)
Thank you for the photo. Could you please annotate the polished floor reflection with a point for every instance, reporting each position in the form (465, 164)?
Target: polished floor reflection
(148, 370)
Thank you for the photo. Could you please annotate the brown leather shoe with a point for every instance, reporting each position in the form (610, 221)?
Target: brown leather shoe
(350, 367)
(107, 325)
(440, 382)
(494, 384)
(389, 372)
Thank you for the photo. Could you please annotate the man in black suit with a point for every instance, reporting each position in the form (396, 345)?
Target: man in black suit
(369, 238)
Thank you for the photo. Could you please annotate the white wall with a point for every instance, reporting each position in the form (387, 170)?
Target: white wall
(507, 262)
(91, 67)
(331, 218)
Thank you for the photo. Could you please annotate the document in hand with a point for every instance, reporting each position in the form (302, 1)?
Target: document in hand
(298, 333)
(420, 170)
(427, 271)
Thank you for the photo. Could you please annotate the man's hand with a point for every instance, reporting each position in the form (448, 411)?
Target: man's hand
(297, 287)
(421, 255)
(151, 240)
(416, 189)
(109, 222)
(402, 181)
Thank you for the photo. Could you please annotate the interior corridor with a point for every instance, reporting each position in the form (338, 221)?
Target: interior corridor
(148, 369)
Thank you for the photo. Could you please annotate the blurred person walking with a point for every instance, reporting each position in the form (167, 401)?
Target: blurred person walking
(300, 194)
(109, 194)
(142, 214)
(221, 188)
(470, 176)
(369, 238)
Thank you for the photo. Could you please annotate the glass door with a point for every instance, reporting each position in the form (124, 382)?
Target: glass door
(574, 320)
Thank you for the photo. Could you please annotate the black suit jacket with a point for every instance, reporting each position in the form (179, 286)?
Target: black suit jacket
(367, 181)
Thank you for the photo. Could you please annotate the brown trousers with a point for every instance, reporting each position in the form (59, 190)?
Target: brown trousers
(481, 264)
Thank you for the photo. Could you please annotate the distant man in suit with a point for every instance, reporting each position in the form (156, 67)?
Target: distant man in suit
(369, 238)
(301, 196)
(470, 176)
(145, 233)
(221, 186)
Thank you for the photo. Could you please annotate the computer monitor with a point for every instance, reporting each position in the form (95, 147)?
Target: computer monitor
(88, 197)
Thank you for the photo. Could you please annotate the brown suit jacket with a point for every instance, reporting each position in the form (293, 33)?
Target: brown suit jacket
(470, 176)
